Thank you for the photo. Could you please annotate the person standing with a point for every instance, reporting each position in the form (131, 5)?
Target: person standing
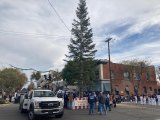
(101, 103)
(114, 102)
(70, 100)
(10, 97)
(91, 101)
(65, 100)
(108, 102)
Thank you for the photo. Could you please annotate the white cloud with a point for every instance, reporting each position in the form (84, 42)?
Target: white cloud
(148, 51)
(38, 39)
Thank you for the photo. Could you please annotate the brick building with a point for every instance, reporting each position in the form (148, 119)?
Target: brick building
(128, 80)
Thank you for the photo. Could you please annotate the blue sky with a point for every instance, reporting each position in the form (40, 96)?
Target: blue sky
(32, 36)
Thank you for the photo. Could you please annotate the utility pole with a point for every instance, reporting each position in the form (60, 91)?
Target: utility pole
(109, 61)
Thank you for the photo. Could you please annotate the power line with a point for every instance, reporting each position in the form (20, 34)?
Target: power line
(58, 15)
(31, 34)
(29, 69)
(97, 39)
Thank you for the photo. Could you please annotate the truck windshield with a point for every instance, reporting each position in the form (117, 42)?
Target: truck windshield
(43, 94)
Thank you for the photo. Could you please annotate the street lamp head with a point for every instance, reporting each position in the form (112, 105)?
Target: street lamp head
(108, 39)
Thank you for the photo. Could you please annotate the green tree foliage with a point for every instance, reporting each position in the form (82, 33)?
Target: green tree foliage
(81, 46)
(81, 49)
(70, 73)
(36, 75)
(12, 79)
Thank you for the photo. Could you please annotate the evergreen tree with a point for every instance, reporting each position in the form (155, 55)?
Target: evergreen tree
(82, 49)
(81, 46)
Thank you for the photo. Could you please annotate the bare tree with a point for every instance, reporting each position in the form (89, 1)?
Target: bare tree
(136, 68)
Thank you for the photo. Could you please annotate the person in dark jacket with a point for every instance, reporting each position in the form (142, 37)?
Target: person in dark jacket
(91, 100)
(101, 103)
(114, 102)
(108, 102)
(65, 100)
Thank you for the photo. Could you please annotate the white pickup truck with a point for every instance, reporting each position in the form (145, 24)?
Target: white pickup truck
(41, 103)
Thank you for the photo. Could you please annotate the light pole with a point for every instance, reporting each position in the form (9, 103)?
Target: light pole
(108, 40)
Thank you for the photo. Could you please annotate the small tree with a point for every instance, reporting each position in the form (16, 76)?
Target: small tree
(56, 75)
(36, 75)
(11, 80)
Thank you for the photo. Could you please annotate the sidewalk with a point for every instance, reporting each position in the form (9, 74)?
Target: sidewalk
(142, 105)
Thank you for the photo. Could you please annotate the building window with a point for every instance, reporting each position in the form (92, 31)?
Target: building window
(97, 74)
(117, 90)
(136, 89)
(137, 76)
(147, 76)
(155, 91)
(126, 75)
(144, 90)
(158, 91)
(112, 75)
(150, 88)
(127, 89)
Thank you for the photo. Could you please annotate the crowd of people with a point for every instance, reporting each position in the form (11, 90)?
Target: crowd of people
(100, 100)
(103, 100)
(146, 99)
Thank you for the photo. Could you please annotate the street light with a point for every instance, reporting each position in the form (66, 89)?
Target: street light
(108, 40)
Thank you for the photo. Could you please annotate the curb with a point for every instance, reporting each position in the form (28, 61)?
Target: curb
(4, 105)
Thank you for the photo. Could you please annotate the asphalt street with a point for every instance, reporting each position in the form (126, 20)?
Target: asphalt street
(123, 111)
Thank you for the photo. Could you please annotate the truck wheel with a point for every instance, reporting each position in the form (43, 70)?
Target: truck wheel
(59, 116)
(31, 115)
(21, 109)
